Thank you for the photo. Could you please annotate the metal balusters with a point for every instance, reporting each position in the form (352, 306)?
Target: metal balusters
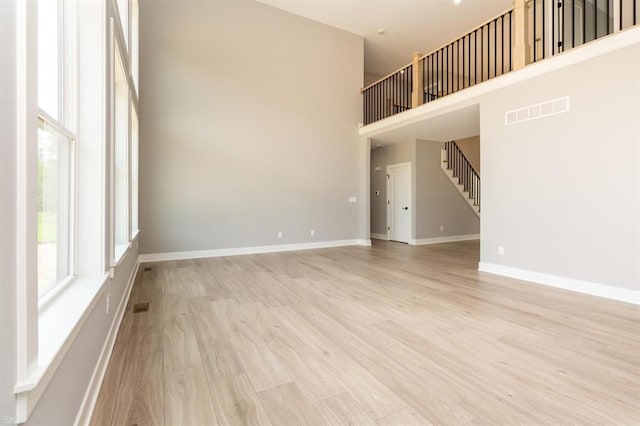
(510, 44)
(460, 168)
(388, 96)
(535, 32)
(573, 23)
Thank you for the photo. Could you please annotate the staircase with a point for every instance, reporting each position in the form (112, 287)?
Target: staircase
(462, 174)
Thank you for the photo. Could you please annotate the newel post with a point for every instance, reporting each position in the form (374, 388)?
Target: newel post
(521, 32)
(417, 94)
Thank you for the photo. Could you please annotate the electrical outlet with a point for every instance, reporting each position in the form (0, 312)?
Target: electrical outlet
(500, 251)
(441, 228)
(313, 233)
(280, 234)
(108, 304)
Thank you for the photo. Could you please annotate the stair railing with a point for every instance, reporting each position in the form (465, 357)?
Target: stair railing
(464, 171)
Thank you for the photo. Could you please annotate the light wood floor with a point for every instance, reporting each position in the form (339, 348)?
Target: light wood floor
(388, 335)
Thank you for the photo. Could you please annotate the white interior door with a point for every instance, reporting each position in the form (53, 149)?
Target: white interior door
(399, 207)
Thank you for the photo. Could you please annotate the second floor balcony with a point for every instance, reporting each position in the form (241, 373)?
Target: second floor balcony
(528, 32)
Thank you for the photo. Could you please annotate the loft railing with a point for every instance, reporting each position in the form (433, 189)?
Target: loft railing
(464, 171)
(481, 54)
(388, 96)
(531, 31)
(576, 22)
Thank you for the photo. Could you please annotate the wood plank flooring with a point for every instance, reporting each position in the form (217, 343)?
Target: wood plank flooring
(386, 335)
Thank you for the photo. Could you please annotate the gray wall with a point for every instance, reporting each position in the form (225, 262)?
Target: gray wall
(562, 194)
(248, 127)
(370, 78)
(7, 211)
(438, 202)
(470, 147)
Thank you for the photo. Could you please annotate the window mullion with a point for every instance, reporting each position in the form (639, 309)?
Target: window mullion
(62, 113)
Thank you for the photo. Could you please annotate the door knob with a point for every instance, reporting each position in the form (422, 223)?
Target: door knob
(405, 208)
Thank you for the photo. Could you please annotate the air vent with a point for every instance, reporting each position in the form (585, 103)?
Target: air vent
(141, 307)
(148, 269)
(533, 112)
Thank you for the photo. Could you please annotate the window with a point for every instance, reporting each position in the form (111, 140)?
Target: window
(54, 206)
(120, 159)
(49, 41)
(135, 43)
(74, 186)
(123, 12)
(56, 83)
(134, 171)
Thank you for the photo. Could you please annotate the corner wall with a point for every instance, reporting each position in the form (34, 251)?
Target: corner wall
(561, 194)
(249, 127)
(436, 201)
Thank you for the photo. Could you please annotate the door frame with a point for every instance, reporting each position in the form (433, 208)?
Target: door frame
(390, 167)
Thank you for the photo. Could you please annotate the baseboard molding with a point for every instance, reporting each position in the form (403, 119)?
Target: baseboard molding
(197, 254)
(380, 236)
(579, 286)
(91, 396)
(366, 243)
(439, 240)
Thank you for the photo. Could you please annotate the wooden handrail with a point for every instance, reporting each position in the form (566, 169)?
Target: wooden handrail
(386, 76)
(468, 32)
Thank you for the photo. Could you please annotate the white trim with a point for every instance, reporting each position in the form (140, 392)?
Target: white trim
(390, 194)
(439, 240)
(197, 254)
(91, 395)
(26, 279)
(380, 236)
(595, 289)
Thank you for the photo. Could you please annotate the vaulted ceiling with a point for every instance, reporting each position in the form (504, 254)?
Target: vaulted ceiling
(408, 25)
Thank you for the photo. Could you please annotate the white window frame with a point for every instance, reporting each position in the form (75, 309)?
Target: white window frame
(66, 123)
(119, 250)
(47, 328)
(59, 285)
(134, 169)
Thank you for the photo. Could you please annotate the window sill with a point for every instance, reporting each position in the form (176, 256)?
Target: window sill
(60, 320)
(61, 316)
(120, 251)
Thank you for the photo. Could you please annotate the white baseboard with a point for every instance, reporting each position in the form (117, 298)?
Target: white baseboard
(91, 396)
(380, 236)
(438, 240)
(366, 243)
(197, 254)
(586, 287)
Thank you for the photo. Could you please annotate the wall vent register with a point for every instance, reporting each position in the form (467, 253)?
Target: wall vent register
(533, 112)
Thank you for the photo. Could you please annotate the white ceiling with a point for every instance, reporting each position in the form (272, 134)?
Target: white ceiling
(411, 25)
